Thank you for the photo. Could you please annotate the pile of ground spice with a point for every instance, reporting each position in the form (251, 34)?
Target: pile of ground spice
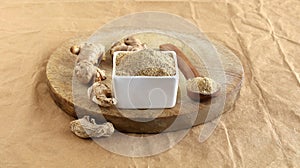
(146, 62)
(202, 85)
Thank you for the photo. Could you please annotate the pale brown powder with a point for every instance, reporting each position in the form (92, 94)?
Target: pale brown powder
(202, 85)
(146, 62)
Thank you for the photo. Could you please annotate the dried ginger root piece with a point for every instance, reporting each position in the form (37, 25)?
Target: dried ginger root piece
(132, 41)
(84, 71)
(91, 52)
(87, 128)
(88, 59)
(100, 75)
(121, 47)
(128, 44)
(101, 94)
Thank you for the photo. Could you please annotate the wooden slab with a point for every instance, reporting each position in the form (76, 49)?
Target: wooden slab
(71, 96)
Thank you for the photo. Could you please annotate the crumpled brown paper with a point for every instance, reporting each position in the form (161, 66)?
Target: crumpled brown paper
(263, 129)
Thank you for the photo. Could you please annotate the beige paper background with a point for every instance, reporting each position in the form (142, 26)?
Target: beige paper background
(263, 130)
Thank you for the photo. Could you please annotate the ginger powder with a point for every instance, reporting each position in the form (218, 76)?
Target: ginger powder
(202, 85)
(146, 62)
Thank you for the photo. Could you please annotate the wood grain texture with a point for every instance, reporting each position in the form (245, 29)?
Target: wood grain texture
(71, 96)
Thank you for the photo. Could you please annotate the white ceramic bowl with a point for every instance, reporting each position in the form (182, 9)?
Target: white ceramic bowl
(145, 92)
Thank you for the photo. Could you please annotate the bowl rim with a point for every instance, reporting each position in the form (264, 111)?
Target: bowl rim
(116, 53)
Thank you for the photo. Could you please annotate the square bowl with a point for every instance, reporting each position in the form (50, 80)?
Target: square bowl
(145, 92)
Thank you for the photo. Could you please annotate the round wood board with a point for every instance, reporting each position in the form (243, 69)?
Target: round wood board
(71, 96)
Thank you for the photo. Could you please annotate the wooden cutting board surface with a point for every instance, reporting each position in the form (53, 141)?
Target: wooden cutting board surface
(71, 96)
